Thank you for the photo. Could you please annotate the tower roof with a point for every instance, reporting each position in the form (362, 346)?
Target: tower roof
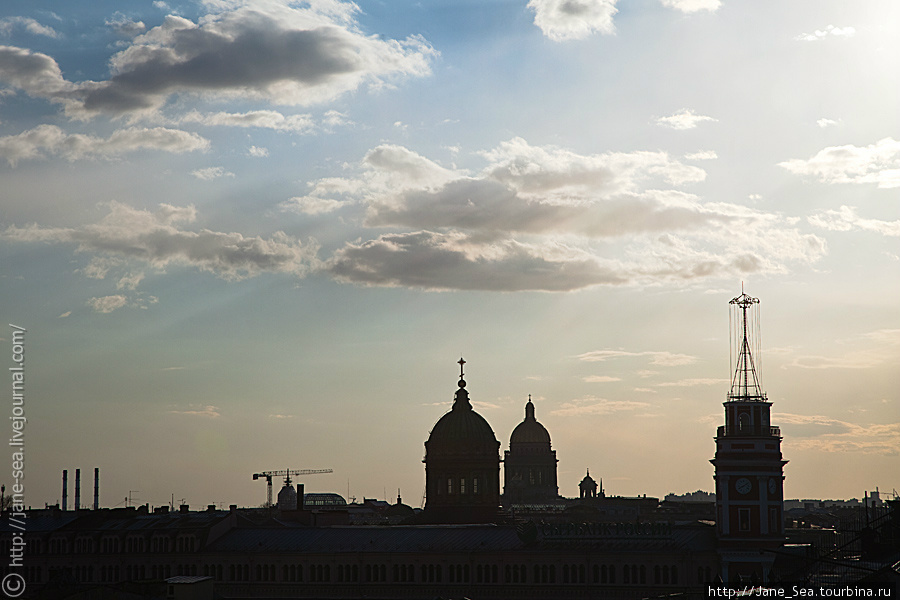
(529, 431)
(462, 429)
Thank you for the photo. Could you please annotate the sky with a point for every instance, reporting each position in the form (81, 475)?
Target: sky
(248, 235)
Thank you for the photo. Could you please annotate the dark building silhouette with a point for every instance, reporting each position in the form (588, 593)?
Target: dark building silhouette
(749, 470)
(462, 465)
(588, 487)
(530, 463)
(540, 546)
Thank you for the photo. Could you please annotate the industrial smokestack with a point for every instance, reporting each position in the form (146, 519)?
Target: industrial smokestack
(65, 502)
(96, 488)
(77, 489)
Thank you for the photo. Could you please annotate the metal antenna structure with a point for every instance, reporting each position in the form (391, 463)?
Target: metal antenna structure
(745, 381)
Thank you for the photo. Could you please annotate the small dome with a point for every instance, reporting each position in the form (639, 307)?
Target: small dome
(529, 431)
(287, 498)
(588, 480)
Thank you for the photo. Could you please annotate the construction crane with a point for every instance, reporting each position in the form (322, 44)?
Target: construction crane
(286, 473)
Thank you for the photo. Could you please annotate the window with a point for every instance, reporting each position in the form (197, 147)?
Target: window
(449, 485)
(744, 519)
(474, 485)
(462, 485)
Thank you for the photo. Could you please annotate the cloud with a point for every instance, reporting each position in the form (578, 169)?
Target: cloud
(562, 20)
(435, 261)
(35, 73)
(846, 219)
(107, 304)
(50, 139)
(273, 52)
(830, 31)
(157, 239)
(311, 205)
(703, 155)
(600, 379)
(686, 119)
(596, 406)
(826, 434)
(867, 351)
(125, 27)
(31, 26)
(692, 382)
(543, 212)
(65, 314)
(823, 122)
(878, 163)
(209, 411)
(263, 119)
(660, 358)
(690, 6)
(258, 152)
(210, 173)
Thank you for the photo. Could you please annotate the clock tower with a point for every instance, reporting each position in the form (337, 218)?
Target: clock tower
(749, 469)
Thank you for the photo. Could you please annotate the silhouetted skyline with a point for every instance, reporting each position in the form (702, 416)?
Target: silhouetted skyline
(249, 236)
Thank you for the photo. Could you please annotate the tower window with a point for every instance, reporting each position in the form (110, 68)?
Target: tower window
(744, 422)
(474, 485)
(744, 519)
(449, 485)
(462, 485)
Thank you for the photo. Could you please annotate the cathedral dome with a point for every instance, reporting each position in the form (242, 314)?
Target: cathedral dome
(529, 431)
(462, 429)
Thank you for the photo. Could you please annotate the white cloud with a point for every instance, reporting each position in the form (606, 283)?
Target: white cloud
(689, 6)
(263, 119)
(268, 51)
(50, 139)
(562, 20)
(867, 351)
(130, 281)
(156, 239)
(830, 31)
(544, 208)
(823, 123)
(846, 219)
(826, 434)
(311, 205)
(702, 155)
(686, 119)
(258, 152)
(65, 314)
(125, 27)
(692, 382)
(596, 406)
(108, 304)
(878, 163)
(600, 379)
(660, 358)
(210, 173)
(31, 26)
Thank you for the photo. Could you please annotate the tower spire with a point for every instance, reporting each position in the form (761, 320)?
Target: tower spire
(745, 380)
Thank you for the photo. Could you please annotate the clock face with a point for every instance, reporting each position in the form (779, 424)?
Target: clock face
(743, 485)
(772, 485)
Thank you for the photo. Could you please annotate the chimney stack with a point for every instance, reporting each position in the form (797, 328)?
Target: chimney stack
(96, 488)
(77, 489)
(65, 502)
